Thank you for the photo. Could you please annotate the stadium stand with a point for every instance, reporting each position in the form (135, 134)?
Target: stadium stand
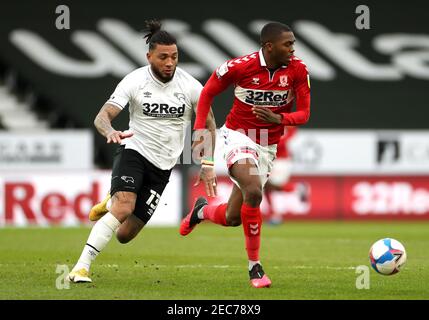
(15, 111)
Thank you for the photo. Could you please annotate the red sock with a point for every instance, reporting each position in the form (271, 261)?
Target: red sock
(252, 222)
(216, 213)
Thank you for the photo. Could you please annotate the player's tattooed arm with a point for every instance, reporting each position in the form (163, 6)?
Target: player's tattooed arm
(103, 120)
(103, 123)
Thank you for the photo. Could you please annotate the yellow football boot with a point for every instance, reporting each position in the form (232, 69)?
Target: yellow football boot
(100, 209)
(81, 275)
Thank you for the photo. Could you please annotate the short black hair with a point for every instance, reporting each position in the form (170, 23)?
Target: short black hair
(272, 30)
(154, 34)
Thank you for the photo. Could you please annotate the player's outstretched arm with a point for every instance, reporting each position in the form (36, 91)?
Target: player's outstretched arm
(212, 88)
(211, 126)
(207, 172)
(203, 150)
(205, 127)
(103, 123)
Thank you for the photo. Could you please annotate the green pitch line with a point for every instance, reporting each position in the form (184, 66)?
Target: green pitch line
(304, 261)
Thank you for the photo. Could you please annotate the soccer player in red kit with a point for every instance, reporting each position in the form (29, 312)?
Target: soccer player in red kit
(266, 85)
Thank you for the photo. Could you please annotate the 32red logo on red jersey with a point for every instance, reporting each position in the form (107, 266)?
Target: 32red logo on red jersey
(266, 98)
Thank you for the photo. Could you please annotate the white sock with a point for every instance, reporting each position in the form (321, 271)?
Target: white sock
(200, 213)
(100, 235)
(252, 263)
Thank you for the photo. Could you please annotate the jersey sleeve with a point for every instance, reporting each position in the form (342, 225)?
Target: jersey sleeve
(221, 79)
(302, 92)
(124, 92)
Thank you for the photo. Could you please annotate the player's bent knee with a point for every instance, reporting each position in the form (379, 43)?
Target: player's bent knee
(253, 195)
(122, 210)
(233, 220)
(124, 237)
(234, 223)
(122, 213)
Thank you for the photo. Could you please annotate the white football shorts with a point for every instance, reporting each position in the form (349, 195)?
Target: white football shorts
(238, 146)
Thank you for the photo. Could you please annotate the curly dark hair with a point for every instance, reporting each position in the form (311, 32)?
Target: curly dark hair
(154, 34)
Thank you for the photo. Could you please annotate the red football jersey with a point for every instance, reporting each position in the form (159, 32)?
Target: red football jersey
(256, 85)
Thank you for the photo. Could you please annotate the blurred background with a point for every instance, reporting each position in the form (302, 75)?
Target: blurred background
(363, 155)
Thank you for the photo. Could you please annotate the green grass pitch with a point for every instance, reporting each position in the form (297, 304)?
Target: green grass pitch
(304, 261)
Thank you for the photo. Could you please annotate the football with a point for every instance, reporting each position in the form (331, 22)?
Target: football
(387, 256)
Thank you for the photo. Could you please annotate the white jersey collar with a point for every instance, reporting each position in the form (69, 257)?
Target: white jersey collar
(262, 59)
(263, 62)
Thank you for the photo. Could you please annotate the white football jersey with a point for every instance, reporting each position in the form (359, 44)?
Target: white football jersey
(159, 113)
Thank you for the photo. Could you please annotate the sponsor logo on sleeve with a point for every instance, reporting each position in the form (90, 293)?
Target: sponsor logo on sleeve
(222, 70)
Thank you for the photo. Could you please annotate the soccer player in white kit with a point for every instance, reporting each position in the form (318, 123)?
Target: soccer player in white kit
(161, 98)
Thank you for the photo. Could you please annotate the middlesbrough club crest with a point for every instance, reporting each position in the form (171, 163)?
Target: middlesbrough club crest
(283, 81)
